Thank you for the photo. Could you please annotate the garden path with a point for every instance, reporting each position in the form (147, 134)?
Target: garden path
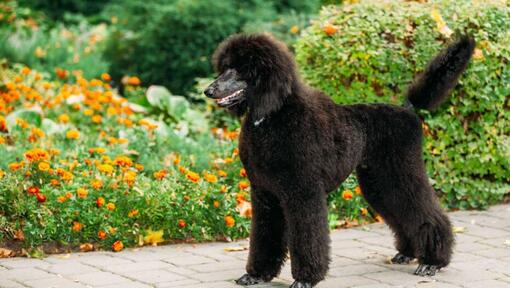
(359, 259)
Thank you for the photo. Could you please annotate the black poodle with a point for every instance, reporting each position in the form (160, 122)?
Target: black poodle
(297, 146)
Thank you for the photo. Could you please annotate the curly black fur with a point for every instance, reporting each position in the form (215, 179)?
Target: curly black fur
(297, 146)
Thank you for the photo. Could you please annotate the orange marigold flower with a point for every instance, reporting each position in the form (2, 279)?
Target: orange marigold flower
(54, 182)
(15, 166)
(117, 246)
(133, 213)
(329, 29)
(100, 201)
(69, 195)
(216, 204)
(347, 194)
(96, 184)
(193, 177)
(159, 175)
(240, 197)
(364, 211)
(22, 123)
(134, 81)
(230, 221)
(67, 176)
(62, 199)
(33, 190)
(211, 178)
(97, 119)
(106, 77)
(139, 167)
(73, 134)
(358, 191)
(243, 185)
(181, 223)
(294, 29)
(223, 189)
(105, 168)
(2, 174)
(82, 192)
(95, 82)
(36, 154)
(183, 169)
(61, 73)
(101, 234)
(77, 226)
(64, 118)
(129, 177)
(123, 161)
(110, 206)
(44, 166)
(40, 197)
(25, 71)
(222, 173)
(242, 173)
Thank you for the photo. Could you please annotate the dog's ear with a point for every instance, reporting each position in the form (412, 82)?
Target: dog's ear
(271, 89)
(273, 73)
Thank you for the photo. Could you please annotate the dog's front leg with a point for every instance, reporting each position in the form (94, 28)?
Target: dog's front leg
(268, 243)
(308, 238)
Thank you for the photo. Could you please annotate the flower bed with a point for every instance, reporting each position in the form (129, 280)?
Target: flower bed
(84, 167)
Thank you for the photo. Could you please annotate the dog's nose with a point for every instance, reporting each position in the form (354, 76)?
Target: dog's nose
(208, 92)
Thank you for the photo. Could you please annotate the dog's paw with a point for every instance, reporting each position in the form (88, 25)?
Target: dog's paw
(426, 270)
(298, 284)
(247, 280)
(401, 259)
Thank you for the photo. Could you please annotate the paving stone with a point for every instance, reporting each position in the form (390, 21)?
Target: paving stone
(155, 276)
(212, 267)
(54, 282)
(102, 260)
(189, 260)
(398, 278)
(24, 274)
(6, 283)
(126, 269)
(179, 283)
(355, 270)
(69, 268)
(128, 285)
(22, 263)
(351, 281)
(487, 283)
(218, 276)
(99, 278)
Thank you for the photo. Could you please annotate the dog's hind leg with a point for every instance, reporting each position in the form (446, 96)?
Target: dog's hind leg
(398, 189)
(306, 214)
(268, 243)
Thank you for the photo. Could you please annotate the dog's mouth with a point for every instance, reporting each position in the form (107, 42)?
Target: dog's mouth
(231, 99)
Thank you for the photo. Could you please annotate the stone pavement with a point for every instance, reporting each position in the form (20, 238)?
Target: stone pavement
(359, 259)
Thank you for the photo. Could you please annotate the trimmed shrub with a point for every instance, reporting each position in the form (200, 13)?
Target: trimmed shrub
(369, 52)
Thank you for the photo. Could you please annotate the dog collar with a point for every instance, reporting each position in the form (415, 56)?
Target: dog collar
(257, 122)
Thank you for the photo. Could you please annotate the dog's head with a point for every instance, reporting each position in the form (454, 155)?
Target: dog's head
(256, 74)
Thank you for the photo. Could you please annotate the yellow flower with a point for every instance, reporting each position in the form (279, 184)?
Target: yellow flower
(153, 237)
(82, 192)
(294, 29)
(105, 168)
(97, 119)
(2, 140)
(88, 112)
(96, 184)
(44, 166)
(64, 118)
(133, 213)
(211, 178)
(129, 177)
(193, 177)
(160, 174)
(73, 134)
(110, 206)
(2, 174)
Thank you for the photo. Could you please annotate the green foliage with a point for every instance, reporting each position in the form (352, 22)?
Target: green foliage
(78, 47)
(378, 47)
(175, 46)
(57, 9)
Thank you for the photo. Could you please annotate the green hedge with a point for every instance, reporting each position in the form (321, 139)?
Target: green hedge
(374, 48)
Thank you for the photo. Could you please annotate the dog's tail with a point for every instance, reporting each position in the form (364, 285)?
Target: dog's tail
(431, 87)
